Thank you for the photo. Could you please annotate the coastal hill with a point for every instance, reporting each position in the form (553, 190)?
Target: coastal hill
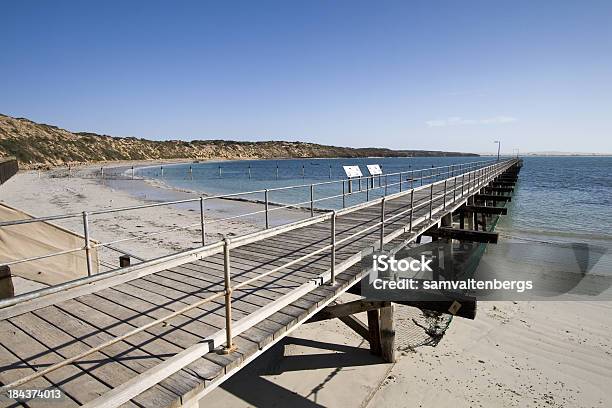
(38, 144)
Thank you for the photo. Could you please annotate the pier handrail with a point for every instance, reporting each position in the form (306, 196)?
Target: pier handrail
(476, 180)
(88, 246)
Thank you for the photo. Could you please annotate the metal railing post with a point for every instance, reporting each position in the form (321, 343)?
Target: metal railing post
(382, 223)
(411, 208)
(386, 184)
(312, 200)
(469, 182)
(431, 200)
(87, 242)
(367, 190)
(267, 203)
(202, 223)
(455, 190)
(333, 249)
(421, 177)
(343, 194)
(229, 346)
(444, 199)
(462, 184)
(400, 186)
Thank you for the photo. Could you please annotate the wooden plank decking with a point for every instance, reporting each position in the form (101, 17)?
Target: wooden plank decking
(35, 339)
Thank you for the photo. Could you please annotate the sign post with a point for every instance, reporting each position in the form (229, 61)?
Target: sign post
(352, 172)
(374, 170)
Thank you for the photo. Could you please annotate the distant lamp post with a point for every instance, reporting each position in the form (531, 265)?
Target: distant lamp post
(498, 147)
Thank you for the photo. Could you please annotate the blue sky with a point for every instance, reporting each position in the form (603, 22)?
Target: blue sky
(411, 74)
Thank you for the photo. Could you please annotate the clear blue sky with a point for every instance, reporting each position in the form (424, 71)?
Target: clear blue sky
(450, 75)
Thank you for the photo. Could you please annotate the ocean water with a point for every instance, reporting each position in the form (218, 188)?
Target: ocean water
(563, 197)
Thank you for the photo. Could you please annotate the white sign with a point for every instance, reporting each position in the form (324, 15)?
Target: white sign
(374, 170)
(352, 171)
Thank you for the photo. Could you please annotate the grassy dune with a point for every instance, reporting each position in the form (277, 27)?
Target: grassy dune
(37, 144)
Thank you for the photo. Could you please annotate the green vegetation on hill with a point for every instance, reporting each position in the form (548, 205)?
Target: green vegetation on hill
(37, 144)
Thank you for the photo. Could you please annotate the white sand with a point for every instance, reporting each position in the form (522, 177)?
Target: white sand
(528, 354)
(553, 354)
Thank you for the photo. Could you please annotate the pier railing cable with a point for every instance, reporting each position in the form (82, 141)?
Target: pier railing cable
(386, 182)
(452, 191)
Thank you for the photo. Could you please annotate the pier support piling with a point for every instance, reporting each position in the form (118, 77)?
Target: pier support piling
(387, 333)
(124, 261)
(374, 331)
(6, 283)
(380, 330)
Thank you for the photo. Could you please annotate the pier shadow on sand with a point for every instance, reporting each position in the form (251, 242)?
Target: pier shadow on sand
(317, 364)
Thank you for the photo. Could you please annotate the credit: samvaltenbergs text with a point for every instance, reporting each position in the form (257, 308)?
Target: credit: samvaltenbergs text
(468, 284)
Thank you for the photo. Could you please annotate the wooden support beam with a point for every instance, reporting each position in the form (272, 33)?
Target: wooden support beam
(447, 220)
(374, 331)
(124, 261)
(466, 235)
(346, 309)
(357, 326)
(380, 331)
(485, 210)
(499, 189)
(7, 290)
(492, 197)
(502, 184)
(387, 333)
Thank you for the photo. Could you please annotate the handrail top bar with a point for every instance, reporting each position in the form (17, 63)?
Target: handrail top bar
(221, 196)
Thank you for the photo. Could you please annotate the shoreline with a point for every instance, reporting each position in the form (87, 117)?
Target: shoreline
(182, 160)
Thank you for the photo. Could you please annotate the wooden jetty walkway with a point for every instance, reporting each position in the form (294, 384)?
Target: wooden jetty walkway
(167, 331)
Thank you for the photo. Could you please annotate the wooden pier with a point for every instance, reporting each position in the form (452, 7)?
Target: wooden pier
(166, 332)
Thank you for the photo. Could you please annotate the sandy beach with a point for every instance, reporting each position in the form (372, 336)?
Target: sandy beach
(515, 354)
